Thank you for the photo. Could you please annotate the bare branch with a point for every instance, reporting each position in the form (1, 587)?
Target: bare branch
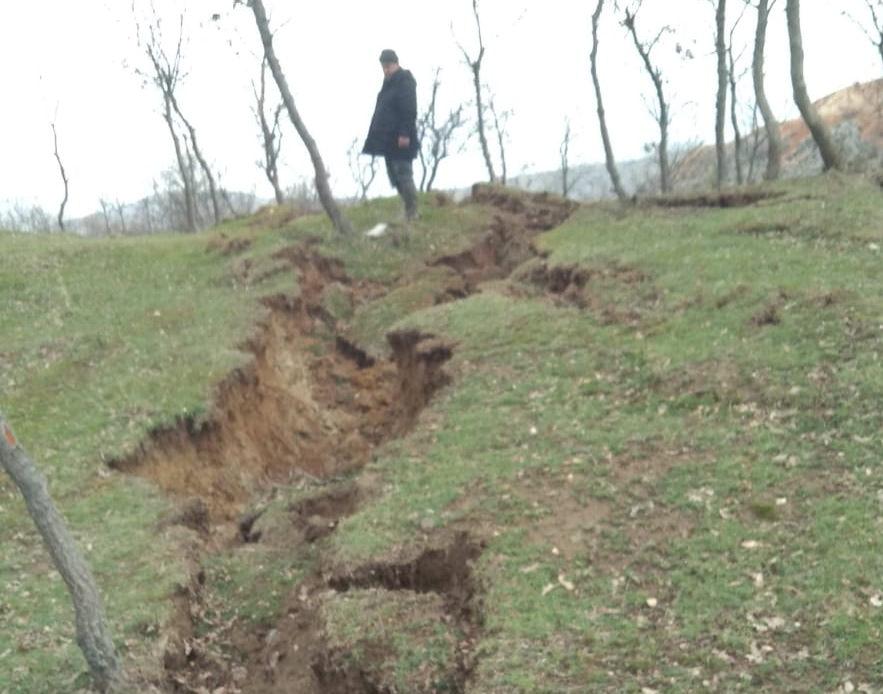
(662, 117)
(271, 135)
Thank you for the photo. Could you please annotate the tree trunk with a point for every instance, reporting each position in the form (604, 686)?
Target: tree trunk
(734, 118)
(93, 635)
(774, 137)
(340, 222)
(271, 137)
(203, 164)
(106, 215)
(182, 167)
(475, 66)
(610, 160)
(820, 132)
(63, 179)
(722, 85)
(479, 106)
(148, 218)
(564, 152)
(662, 118)
(504, 175)
(122, 215)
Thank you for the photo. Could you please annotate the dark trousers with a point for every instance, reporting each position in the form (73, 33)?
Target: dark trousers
(401, 177)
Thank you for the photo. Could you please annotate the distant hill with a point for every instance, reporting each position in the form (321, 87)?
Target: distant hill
(855, 115)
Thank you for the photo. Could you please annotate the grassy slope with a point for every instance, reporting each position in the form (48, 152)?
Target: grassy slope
(667, 445)
(649, 439)
(103, 340)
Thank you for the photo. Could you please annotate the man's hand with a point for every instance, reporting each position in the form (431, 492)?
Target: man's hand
(404, 142)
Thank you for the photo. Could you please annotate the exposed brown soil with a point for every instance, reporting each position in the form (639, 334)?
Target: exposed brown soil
(509, 240)
(445, 570)
(294, 654)
(227, 246)
(318, 516)
(565, 282)
(768, 315)
(313, 404)
(298, 408)
(568, 284)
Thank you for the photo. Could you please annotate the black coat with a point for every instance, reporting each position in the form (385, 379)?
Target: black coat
(395, 115)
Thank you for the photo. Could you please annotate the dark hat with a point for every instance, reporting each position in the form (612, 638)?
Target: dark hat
(388, 55)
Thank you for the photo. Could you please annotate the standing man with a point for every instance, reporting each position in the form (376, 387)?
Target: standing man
(393, 131)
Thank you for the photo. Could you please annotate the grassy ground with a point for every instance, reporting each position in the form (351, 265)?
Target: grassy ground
(103, 340)
(675, 477)
(680, 484)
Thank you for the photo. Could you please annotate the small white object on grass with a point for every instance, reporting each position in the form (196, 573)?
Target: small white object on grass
(377, 230)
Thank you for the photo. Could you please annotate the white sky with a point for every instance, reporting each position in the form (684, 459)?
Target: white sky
(80, 58)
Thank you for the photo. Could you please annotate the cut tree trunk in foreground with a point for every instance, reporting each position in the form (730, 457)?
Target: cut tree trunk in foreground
(820, 132)
(93, 635)
(340, 222)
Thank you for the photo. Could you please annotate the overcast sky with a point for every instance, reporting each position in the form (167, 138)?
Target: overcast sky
(77, 62)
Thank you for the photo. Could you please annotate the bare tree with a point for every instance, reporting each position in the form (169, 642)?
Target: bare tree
(148, 216)
(662, 113)
(500, 121)
(105, 212)
(340, 222)
(93, 634)
(774, 137)
(831, 156)
(271, 134)
(720, 48)
(165, 76)
(63, 177)
(121, 213)
(363, 174)
(28, 219)
(185, 170)
(203, 164)
(436, 138)
(610, 160)
(475, 66)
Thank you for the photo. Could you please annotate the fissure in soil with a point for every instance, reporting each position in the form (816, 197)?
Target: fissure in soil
(312, 403)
